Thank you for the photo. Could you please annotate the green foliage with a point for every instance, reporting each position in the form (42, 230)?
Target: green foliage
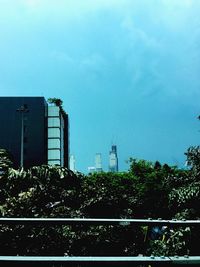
(193, 160)
(185, 187)
(185, 195)
(5, 160)
(173, 242)
(45, 191)
(108, 195)
(57, 101)
(147, 190)
(152, 187)
(184, 200)
(39, 191)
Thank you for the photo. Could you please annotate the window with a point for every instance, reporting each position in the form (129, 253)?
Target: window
(54, 154)
(53, 111)
(53, 122)
(54, 132)
(53, 143)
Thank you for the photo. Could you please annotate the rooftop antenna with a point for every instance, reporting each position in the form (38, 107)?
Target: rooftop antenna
(23, 109)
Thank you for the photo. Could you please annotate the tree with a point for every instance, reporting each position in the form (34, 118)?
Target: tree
(184, 200)
(151, 188)
(43, 191)
(147, 190)
(108, 195)
(5, 159)
(57, 101)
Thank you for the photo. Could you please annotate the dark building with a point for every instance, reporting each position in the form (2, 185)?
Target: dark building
(33, 132)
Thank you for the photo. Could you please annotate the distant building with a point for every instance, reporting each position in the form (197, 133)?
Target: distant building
(98, 162)
(113, 159)
(72, 163)
(91, 169)
(34, 132)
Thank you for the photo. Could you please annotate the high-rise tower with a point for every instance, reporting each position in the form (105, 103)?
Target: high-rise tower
(113, 159)
(98, 162)
(72, 163)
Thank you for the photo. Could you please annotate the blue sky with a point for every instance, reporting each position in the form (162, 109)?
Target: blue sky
(126, 70)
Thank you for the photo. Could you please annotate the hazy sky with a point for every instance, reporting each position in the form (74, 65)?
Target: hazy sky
(128, 72)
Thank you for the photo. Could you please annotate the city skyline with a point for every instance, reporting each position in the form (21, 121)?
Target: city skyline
(126, 70)
(111, 160)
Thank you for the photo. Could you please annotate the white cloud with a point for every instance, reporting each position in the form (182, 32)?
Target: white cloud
(69, 7)
(178, 3)
(138, 34)
(32, 3)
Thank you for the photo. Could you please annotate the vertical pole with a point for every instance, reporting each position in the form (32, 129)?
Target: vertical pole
(22, 110)
(22, 140)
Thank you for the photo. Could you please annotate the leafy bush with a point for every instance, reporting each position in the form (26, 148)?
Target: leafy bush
(146, 190)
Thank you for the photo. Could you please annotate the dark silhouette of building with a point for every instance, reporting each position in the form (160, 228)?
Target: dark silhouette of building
(33, 132)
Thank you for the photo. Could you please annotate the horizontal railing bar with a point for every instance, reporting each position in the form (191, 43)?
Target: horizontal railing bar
(48, 221)
(83, 259)
(192, 260)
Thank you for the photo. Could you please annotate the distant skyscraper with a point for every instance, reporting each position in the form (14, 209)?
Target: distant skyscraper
(91, 169)
(98, 162)
(72, 163)
(113, 159)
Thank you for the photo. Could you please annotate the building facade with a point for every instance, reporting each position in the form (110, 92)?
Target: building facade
(113, 159)
(72, 163)
(33, 132)
(57, 145)
(98, 162)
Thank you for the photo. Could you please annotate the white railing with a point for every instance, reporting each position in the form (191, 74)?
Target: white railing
(83, 260)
